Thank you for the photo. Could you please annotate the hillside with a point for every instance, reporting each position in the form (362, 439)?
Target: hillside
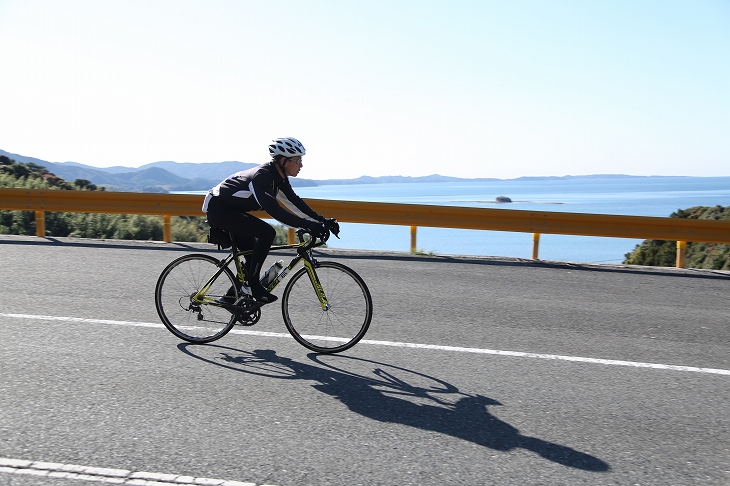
(170, 176)
(154, 177)
(32, 175)
(712, 256)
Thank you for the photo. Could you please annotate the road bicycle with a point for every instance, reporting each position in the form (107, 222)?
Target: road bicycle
(326, 306)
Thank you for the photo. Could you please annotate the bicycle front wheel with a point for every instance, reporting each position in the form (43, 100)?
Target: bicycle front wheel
(342, 322)
(194, 320)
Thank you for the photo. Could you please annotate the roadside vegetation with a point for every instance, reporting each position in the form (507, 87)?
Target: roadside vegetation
(90, 225)
(711, 256)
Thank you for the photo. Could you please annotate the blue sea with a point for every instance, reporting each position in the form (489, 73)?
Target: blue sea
(636, 196)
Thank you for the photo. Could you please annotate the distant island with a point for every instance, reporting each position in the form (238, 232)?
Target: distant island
(170, 176)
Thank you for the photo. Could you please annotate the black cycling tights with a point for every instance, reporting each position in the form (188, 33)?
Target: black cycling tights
(249, 233)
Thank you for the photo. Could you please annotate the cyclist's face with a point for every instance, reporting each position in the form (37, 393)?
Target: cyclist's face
(293, 166)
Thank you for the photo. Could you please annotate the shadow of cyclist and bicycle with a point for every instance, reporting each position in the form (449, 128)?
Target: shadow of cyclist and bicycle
(392, 394)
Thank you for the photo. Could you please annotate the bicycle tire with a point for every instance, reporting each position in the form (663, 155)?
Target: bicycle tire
(194, 322)
(337, 328)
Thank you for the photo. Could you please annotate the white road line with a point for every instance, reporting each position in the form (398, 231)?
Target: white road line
(613, 362)
(105, 475)
(517, 354)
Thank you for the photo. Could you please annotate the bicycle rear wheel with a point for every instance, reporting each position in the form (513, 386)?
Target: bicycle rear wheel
(194, 321)
(342, 324)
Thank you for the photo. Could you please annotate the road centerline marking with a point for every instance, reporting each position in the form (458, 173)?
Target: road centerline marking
(457, 349)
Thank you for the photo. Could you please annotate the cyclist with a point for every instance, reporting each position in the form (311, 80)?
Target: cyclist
(228, 206)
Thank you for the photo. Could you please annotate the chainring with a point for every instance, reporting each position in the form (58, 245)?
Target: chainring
(248, 311)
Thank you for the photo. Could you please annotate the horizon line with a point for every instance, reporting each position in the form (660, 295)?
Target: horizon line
(564, 176)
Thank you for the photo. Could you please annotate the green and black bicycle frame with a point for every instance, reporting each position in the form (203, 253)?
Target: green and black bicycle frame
(304, 255)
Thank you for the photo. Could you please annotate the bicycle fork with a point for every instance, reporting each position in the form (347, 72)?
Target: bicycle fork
(317, 285)
(311, 273)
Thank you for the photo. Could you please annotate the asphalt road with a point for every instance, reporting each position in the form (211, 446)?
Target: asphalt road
(528, 373)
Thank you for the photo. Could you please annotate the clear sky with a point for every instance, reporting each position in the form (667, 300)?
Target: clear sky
(379, 87)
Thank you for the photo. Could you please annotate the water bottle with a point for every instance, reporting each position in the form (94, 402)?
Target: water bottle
(272, 273)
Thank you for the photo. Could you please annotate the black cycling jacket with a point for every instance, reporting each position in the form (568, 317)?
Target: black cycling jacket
(262, 187)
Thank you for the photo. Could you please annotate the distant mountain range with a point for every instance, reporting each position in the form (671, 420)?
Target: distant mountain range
(187, 176)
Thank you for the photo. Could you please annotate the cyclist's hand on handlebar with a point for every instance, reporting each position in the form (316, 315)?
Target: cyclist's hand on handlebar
(333, 226)
(318, 230)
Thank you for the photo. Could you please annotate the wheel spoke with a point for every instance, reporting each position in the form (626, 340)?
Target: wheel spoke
(200, 321)
(343, 324)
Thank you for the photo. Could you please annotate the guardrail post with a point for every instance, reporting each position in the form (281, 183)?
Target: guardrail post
(290, 236)
(413, 239)
(681, 253)
(167, 228)
(40, 224)
(535, 245)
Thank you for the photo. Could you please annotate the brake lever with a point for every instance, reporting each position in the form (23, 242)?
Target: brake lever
(335, 229)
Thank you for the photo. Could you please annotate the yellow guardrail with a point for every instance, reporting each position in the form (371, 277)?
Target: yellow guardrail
(680, 230)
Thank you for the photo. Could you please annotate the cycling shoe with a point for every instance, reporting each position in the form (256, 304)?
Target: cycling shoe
(262, 296)
(265, 298)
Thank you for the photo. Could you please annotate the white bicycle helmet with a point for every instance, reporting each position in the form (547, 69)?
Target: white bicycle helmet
(288, 147)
